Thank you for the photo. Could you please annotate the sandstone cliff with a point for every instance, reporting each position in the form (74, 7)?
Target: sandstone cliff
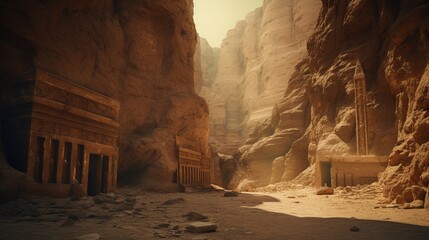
(205, 62)
(256, 60)
(390, 39)
(139, 52)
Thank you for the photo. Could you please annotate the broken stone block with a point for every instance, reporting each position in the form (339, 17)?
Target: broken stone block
(194, 216)
(230, 194)
(325, 191)
(201, 227)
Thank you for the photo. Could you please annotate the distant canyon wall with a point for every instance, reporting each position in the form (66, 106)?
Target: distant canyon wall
(138, 52)
(253, 67)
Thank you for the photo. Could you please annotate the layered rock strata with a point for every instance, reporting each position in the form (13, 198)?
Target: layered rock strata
(255, 63)
(390, 39)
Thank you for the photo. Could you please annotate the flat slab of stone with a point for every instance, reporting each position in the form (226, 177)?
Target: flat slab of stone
(201, 227)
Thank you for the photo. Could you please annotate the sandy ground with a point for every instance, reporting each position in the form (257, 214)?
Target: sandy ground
(290, 214)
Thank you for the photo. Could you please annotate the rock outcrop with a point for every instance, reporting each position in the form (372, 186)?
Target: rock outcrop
(390, 39)
(139, 52)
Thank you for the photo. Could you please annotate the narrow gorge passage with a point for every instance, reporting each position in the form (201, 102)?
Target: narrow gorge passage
(214, 119)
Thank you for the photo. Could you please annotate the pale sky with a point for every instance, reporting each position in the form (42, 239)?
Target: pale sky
(213, 18)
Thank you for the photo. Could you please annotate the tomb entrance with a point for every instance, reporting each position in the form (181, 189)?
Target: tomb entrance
(59, 132)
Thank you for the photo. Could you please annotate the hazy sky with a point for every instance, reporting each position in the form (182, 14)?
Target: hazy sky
(213, 18)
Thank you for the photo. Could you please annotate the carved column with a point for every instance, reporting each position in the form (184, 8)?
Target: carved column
(361, 111)
(60, 162)
(46, 160)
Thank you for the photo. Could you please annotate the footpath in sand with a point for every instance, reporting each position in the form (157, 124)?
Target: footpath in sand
(288, 213)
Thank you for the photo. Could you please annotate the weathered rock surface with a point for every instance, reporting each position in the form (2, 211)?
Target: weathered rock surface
(205, 64)
(390, 39)
(256, 60)
(139, 52)
(392, 44)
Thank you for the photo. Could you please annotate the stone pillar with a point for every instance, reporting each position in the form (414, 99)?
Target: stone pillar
(60, 162)
(361, 111)
(73, 161)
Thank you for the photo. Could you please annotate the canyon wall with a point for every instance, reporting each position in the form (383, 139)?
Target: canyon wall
(255, 62)
(316, 116)
(138, 52)
(390, 39)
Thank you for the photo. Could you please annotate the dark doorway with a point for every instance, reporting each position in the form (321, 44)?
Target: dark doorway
(325, 168)
(97, 174)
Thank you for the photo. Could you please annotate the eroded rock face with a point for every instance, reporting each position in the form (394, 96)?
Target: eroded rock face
(255, 63)
(139, 52)
(390, 39)
(206, 60)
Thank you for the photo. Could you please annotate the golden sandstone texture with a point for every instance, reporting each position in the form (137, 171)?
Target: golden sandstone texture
(391, 40)
(138, 52)
(314, 114)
